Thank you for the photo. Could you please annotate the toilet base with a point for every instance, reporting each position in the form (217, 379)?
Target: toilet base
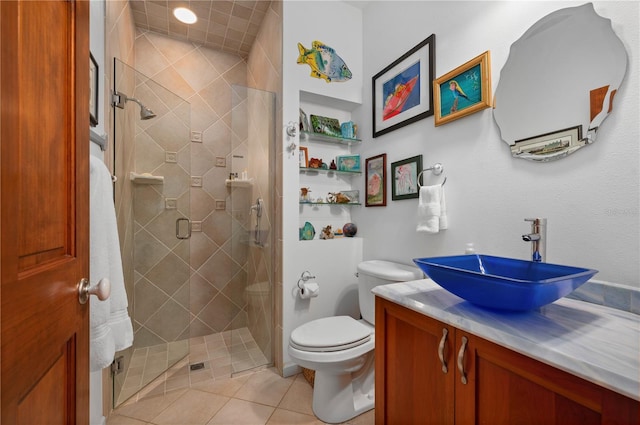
(340, 397)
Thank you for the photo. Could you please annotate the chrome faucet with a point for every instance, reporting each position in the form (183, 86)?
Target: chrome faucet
(538, 239)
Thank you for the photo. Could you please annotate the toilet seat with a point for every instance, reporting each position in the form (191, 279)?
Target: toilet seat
(330, 334)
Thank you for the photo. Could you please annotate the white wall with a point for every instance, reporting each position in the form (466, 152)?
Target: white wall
(333, 262)
(591, 199)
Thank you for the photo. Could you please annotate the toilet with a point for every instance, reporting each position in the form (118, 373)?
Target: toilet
(340, 348)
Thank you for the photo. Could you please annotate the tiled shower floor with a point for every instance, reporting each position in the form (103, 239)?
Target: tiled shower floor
(221, 355)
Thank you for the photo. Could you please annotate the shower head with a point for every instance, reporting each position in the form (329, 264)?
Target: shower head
(145, 113)
(119, 99)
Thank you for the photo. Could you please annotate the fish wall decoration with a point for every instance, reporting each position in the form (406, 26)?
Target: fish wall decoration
(324, 62)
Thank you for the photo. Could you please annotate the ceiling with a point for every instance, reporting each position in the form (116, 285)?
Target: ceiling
(227, 25)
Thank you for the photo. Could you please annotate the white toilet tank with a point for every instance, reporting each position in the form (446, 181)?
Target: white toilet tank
(379, 272)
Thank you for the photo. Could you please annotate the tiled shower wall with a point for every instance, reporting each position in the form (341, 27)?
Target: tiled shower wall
(161, 260)
(167, 60)
(204, 78)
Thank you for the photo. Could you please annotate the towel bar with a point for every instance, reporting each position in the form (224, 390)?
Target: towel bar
(437, 169)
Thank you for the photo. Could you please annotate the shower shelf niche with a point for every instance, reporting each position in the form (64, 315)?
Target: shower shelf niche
(239, 183)
(146, 178)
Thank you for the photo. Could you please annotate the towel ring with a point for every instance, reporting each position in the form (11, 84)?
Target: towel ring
(437, 169)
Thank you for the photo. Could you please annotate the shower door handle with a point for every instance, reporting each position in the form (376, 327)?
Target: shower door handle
(179, 233)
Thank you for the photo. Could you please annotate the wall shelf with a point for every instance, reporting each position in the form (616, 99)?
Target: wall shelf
(345, 204)
(317, 137)
(238, 183)
(328, 171)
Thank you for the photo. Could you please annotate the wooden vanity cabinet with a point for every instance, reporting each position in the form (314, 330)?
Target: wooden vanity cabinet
(502, 387)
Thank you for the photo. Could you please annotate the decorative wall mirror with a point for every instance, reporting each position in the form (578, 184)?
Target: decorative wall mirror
(558, 84)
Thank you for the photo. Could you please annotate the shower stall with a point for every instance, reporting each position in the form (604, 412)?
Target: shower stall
(196, 243)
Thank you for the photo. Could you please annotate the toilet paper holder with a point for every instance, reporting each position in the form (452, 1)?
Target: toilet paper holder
(304, 277)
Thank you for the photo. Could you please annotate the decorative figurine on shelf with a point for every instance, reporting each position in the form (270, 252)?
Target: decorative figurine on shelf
(307, 232)
(338, 233)
(326, 233)
(347, 130)
(315, 163)
(337, 198)
(333, 165)
(350, 230)
(304, 194)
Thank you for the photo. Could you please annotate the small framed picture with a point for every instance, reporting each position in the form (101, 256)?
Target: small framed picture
(549, 146)
(304, 157)
(463, 91)
(304, 121)
(348, 163)
(406, 178)
(93, 91)
(376, 181)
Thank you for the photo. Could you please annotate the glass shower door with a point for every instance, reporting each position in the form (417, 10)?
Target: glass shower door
(152, 162)
(252, 211)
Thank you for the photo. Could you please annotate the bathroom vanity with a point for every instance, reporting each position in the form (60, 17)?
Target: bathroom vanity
(440, 359)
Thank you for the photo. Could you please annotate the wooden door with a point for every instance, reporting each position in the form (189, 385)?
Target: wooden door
(44, 208)
(411, 386)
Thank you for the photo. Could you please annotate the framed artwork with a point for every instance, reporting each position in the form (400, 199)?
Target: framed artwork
(402, 91)
(304, 157)
(406, 184)
(93, 91)
(549, 146)
(325, 125)
(376, 181)
(348, 163)
(463, 91)
(304, 121)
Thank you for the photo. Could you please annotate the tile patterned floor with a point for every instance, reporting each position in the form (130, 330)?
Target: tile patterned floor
(256, 398)
(221, 355)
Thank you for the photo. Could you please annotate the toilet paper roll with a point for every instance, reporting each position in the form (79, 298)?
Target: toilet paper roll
(309, 290)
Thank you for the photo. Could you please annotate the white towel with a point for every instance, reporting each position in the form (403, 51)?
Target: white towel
(110, 324)
(432, 211)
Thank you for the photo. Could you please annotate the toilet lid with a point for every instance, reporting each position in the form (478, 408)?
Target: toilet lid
(330, 334)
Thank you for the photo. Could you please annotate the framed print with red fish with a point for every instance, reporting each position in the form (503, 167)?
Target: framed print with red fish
(376, 167)
(402, 92)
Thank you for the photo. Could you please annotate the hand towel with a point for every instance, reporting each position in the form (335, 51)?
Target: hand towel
(431, 209)
(444, 220)
(110, 324)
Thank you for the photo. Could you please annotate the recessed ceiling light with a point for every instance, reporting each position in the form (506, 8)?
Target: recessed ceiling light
(185, 15)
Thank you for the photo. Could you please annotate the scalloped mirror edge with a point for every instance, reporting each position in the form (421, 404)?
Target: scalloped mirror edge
(558, 84)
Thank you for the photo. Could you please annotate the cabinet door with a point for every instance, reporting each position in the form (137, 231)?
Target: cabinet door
(504, 387)
(411, 387)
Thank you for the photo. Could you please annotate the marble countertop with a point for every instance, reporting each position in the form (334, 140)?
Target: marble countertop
(596, 343)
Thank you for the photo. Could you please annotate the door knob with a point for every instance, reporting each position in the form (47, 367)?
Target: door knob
(102, 290)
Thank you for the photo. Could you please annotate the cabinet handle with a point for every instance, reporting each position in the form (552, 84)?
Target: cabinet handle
(463, 347)
(443, 340)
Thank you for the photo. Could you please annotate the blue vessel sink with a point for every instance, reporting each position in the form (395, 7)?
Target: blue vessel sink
(503, 283)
